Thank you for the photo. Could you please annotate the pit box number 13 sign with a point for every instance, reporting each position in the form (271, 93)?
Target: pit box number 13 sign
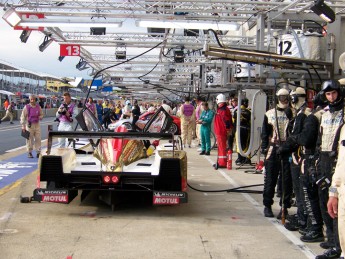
(69, 50)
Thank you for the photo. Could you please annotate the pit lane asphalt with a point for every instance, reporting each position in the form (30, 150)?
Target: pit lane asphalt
(210, 225)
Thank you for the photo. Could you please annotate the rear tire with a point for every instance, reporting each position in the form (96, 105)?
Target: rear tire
(127, 125)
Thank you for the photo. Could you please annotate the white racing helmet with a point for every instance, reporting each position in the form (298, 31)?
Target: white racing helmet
(220, 98)
(298, 97)
(283, 98)
(128, 102)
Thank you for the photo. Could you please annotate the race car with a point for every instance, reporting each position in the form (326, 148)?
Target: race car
(113, 162)
(143, 119)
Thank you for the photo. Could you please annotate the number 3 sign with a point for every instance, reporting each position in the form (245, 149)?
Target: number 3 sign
(69, 50)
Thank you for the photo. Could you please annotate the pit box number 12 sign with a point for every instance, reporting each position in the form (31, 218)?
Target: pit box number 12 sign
(69, 50)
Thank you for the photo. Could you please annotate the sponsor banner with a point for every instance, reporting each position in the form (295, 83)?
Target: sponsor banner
(55, 198)
(169, 198)
(165, 200)
(59, 196)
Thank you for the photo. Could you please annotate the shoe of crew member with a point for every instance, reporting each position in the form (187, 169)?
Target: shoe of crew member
(207, 153)
(30, 155)
(294, 225)
(238, 161)
(11, 122)
(313, 236)
(280, 213)
(38, 154)
(268, 212)
(328, 254)
(202, 153)
(327, 244)
(303, 231)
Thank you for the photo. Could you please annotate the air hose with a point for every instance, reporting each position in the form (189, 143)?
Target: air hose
(235, 189)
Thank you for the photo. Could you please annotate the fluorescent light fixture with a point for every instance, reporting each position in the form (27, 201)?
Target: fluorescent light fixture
(188, 25)
(324, 11)
(12, 17)
(50, 23)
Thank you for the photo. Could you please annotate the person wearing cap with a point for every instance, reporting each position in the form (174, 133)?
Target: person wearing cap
(275, 132)
(223, 127)
(330, 126)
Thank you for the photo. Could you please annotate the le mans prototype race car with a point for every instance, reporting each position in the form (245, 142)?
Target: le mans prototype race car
(112, 162)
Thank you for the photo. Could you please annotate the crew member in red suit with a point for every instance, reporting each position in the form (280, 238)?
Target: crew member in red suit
(222, 128)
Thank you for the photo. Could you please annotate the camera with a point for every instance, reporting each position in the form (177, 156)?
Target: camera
(63, 110)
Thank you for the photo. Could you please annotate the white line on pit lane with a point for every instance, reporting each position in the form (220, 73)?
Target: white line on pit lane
(296, 241)
(18, 148)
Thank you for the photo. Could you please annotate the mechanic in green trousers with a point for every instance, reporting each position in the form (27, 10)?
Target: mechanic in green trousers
(205, 120)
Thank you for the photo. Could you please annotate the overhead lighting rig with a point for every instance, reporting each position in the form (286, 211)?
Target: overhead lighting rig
(82, 65)
(46, 42)
(12, 17)
(324, 11)
(25, 36)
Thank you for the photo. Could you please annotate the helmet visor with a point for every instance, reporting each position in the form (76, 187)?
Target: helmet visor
(283, 98)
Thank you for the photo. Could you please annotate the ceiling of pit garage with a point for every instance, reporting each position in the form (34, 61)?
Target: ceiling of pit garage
(157, 69)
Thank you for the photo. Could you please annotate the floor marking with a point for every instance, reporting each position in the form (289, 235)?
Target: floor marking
(18, 148)
(10, 187)
(6, 216)
(288, 234)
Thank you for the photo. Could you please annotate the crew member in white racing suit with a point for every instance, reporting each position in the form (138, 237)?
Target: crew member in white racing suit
(302, 144)
(273, 162)
(66, 115)
(330, 126)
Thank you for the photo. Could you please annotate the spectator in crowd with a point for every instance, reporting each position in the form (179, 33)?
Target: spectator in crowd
(9, 107)
(91, 106)
(99, 108)
(166, 107)
(106, 113)
(30, 120)
(135, 114)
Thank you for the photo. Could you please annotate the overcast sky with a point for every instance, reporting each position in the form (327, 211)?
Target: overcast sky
(27, 55)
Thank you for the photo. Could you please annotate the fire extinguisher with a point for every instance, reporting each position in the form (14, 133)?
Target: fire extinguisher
(229, 162)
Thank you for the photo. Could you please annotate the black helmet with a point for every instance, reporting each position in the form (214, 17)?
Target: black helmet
(245, 102)
(330, 85)
(320, 100)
